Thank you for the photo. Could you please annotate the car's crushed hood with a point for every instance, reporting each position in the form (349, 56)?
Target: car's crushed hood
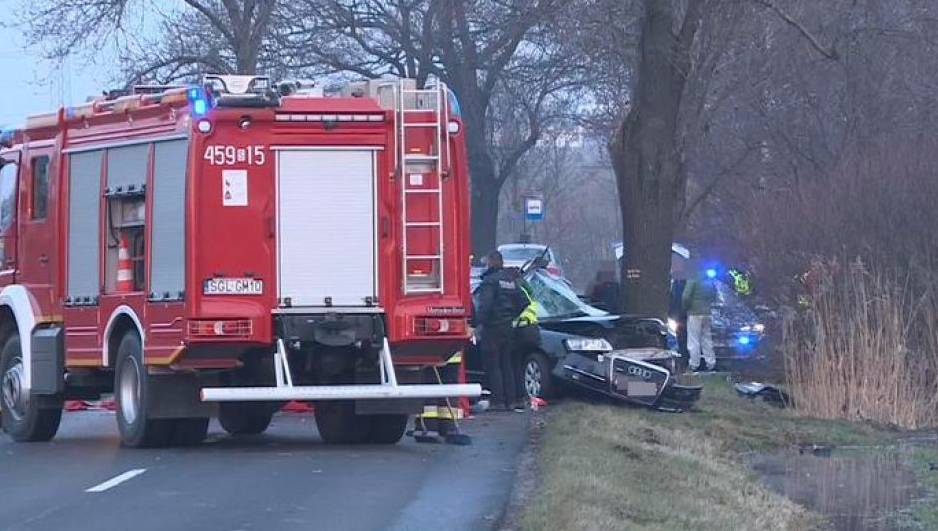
(622, 332)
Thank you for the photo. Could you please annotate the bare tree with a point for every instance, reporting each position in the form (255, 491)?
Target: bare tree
(673, 55)
(479, 48)
(163, 41)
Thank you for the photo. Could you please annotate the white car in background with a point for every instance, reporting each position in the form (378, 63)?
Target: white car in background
(517, 254)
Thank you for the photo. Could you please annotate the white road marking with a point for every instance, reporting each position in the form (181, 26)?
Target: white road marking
(117, 480)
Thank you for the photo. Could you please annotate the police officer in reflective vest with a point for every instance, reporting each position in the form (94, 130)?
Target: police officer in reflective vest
(527, 336)
(741, 282)
(501, 301)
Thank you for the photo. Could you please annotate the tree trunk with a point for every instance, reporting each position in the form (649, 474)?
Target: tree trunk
(646, 160)
(484, 216)
(484, 178)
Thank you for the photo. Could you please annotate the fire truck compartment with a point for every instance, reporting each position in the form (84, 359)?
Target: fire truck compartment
(84, 187)
(326, 227)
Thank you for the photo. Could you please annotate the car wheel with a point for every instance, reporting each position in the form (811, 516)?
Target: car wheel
(25, 418)
(537, 378)
(338, 423)
(244, 419)
(132, 394)
(388, 429)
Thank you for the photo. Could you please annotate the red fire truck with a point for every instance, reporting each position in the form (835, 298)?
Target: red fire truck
(223, 248)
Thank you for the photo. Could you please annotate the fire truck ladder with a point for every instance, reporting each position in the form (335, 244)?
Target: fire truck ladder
(417, 104)
(284, 390)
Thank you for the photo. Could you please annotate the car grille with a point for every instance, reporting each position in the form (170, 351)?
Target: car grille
(637, 381)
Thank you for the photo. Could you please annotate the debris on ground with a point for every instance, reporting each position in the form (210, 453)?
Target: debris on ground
(86, 405)
(295, 406)
(769, 393)
(819, 450)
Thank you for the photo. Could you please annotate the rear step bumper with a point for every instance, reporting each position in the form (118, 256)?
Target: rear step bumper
(387, 389)
(338, 392)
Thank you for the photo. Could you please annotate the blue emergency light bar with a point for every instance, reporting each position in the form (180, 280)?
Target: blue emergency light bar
(198, 101)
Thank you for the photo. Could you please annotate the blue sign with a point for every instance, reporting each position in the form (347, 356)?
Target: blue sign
(533, 209)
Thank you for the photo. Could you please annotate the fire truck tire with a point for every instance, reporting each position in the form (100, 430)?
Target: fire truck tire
(132, 388)
(388, 429)
(189, 432)
(244, 419)
(338, 424)
(24, 418)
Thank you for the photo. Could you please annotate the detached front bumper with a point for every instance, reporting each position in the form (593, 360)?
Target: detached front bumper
(648, 382)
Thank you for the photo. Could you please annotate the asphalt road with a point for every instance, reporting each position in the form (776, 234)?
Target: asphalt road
(286, 479)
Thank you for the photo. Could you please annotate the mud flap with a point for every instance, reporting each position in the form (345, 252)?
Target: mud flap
(47, 365)
(176, 396)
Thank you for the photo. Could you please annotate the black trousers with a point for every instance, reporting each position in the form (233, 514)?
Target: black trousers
(499, 365)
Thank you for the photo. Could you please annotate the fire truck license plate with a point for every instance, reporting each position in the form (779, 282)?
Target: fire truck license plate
(233, 286)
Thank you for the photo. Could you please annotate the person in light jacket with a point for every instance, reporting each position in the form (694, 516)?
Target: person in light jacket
(699, 295)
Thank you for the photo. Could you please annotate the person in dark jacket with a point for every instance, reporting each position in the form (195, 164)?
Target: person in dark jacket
(501, 301)
(605, 293)
(677, 314)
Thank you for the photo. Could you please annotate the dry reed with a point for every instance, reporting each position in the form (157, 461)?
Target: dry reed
(866, 350)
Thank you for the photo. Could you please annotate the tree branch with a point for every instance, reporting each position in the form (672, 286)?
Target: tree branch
(212, 18)
(810, 37)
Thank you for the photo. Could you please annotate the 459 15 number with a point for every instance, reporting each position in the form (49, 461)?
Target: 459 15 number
(231, 155)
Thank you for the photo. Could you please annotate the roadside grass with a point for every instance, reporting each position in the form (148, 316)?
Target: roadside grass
(741, 424)
(614, 467)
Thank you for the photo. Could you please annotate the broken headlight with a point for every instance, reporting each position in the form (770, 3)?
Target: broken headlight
(587, 344)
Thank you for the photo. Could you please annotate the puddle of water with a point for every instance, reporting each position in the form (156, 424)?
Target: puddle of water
(856, 490)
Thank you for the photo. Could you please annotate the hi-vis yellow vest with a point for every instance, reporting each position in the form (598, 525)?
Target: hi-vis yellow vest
(529, 314)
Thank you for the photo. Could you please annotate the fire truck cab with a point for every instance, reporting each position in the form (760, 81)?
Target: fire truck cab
(220, 249)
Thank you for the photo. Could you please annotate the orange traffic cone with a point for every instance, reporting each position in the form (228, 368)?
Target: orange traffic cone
(125, 268)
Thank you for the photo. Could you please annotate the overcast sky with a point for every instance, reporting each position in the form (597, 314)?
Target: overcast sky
(30, 85)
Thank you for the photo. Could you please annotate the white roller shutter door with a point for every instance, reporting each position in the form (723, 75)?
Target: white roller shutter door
(326, 227)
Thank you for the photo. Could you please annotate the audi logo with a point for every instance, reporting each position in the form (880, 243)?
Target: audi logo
(641, 372)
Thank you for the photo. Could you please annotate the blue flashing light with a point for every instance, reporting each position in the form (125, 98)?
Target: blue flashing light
(198, 100)
(711, 272)
(744, 340)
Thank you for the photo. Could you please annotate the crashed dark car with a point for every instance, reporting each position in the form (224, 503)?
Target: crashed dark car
(582, 348)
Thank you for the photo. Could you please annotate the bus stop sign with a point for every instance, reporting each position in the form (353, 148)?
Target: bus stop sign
(533, 209)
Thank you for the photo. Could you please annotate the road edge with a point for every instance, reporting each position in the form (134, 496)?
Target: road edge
(527, 476)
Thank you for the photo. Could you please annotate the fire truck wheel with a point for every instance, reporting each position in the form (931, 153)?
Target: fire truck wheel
(25, 418)
(388, 429)
(244, 418)
(338, 423)
(189, 432)
(132, 393)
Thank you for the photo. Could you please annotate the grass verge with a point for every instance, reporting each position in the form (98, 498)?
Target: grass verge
(618, 468)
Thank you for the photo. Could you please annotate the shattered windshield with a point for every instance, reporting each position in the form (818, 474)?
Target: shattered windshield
(555, 299)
